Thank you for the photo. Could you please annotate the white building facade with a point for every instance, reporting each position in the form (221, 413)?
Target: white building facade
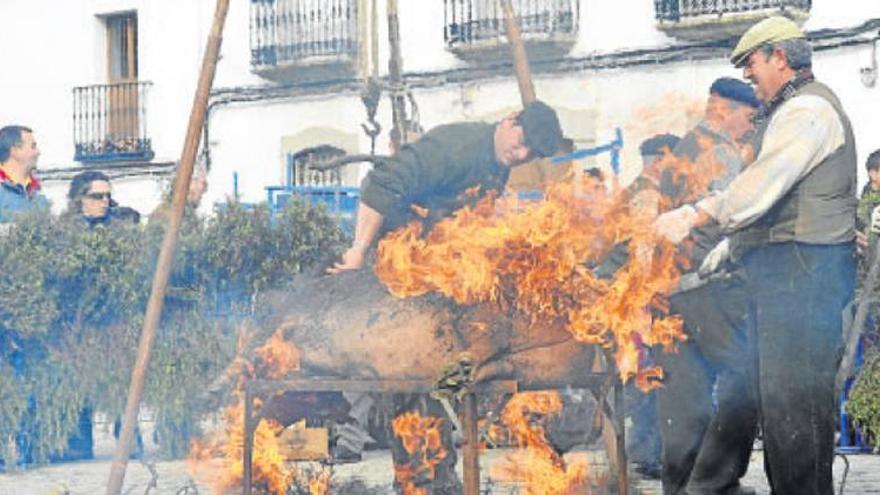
(292, 74)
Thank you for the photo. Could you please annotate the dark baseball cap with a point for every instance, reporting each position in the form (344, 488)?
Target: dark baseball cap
(541, 130)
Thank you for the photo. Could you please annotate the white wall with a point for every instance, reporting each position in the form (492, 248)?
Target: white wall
(47, 55)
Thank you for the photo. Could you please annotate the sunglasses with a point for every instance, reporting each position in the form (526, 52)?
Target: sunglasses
(98, 196)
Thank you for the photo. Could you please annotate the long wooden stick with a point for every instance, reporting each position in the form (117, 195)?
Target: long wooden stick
(166, 255)
(518, 50)
(395, 69)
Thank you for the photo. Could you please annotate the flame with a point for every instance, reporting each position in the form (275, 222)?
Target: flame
(421, 439)
(216, 461)
(537, 465)
(278, 357)
(533, 257)
(319, 484)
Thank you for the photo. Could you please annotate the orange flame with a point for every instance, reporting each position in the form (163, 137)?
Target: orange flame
(537, 465)
(217, 460)
(421, 439)
(533, 257)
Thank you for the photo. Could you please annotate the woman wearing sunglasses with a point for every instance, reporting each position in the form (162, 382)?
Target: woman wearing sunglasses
(90, 198)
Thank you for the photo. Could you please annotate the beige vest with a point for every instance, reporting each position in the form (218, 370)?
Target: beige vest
(821, 207)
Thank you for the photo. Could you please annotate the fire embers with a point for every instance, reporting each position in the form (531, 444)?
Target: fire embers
(537, 258)
(421, 438)
(536, 466)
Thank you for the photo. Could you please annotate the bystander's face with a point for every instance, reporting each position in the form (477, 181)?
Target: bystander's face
(767, 73)
(738, 120)
(27, 153)
(96, 202)
(510, 147)
(874, 177)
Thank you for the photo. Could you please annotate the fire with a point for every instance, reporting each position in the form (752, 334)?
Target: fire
(217, 460)
(277, 357)
(534, 257)
(421, 439)
(537, 465)
(319, 484)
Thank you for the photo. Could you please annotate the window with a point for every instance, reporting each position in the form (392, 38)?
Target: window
(122, 52)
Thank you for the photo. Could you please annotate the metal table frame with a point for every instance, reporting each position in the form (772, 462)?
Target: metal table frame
(599, 383)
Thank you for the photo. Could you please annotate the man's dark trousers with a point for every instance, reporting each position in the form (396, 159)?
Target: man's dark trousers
(706, 442)
(798, 293)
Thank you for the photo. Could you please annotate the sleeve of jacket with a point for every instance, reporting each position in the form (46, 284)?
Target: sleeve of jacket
(414, 172)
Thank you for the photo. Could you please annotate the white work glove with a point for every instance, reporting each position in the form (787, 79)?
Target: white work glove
(675, 225)
(718, 255)
(875, 220)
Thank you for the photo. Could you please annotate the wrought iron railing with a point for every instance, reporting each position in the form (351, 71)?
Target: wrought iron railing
(472, 21)
(110, 122)
(288, 31)
(675, 10)
(300, 172)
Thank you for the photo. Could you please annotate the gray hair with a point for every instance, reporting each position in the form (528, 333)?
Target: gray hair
(797, 51)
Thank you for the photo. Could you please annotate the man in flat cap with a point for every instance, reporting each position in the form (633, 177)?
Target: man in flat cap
(436, 172)
(790, 218)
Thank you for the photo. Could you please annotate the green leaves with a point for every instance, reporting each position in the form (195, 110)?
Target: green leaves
(863, 403)
(72, 301)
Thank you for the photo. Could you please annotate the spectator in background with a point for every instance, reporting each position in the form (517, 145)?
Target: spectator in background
(643, 438)
(90, 199)
(19, 189)
(868, 213)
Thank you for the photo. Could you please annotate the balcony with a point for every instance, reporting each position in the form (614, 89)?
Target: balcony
(474, 29)
(704, 20)
(289, 35)
(110, 122)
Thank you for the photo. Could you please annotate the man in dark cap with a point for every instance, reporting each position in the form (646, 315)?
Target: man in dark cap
(707, 405)
(437, 172)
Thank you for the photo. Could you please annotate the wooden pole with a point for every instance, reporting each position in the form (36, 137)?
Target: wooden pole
(471, 447)
(395, 69)
(518, 50)
(166, 255)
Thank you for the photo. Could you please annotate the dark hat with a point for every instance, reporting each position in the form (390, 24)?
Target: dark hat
(736, 90)
(541, 130)
(654, 145)
(82, 181)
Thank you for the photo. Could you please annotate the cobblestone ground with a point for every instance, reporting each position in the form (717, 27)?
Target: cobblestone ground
(89, 478)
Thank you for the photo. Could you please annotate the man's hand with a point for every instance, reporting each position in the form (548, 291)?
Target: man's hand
(352, 259)
(861, 243)
(676, 224)
(718, 255)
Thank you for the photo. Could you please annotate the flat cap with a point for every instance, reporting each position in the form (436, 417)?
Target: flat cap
(541, 130)
(770, 30)
(736, 90)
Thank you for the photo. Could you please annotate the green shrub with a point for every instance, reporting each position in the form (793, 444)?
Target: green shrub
(72, 301)
(863, 403)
